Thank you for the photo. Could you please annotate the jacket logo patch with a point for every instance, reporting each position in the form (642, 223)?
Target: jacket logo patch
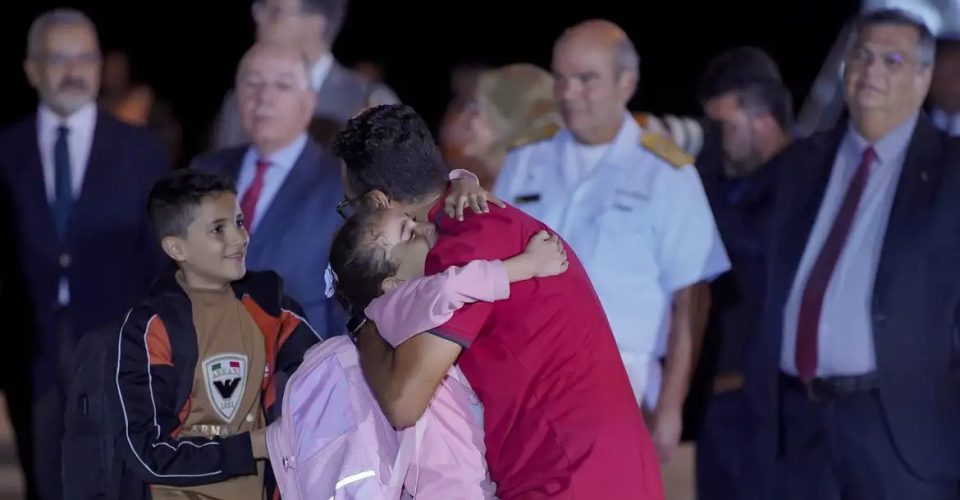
(226, 377)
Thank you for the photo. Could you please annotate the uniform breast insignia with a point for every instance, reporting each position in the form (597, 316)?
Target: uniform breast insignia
(527, 198)
(666, 149)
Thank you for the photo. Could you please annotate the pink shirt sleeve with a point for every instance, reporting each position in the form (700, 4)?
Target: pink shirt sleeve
(425, 303)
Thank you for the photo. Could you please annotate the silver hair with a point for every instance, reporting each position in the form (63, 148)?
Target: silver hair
(927, 44)
(302, 58)
(51, 18)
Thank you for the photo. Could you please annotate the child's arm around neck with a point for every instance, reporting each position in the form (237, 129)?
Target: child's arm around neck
(426, 303)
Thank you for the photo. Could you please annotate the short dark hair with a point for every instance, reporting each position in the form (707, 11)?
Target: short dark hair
(734, 69)
(927, 45)
(175, 196)
(754, 77)
(359, 263)
(335, 11)
(390, 148)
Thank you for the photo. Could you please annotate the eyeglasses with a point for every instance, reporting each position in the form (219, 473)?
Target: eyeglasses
(60, 59)
(346, 208)
(893, 62)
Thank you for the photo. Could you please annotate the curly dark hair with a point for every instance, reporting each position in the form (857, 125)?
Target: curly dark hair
(390, 148)
(175, 196)
(359, 262)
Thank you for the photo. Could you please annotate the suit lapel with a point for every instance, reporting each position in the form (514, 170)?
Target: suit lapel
(285, 205)
(810, 181)
(231, 167)
(96, 178)
(921, 172)
(33, 185)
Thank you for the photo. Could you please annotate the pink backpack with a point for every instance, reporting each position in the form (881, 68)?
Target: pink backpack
(332, 440)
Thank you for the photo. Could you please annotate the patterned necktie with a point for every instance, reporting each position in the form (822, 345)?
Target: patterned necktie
(812, 304)
(63, 183)
(248, 205)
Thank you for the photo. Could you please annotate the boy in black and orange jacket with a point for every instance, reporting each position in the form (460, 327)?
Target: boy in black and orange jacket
(203, 362)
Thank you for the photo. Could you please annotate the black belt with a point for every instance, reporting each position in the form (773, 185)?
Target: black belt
(820, 389)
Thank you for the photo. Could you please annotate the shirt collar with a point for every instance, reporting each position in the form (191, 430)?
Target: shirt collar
(82, 119)
(889, 147)
(628, 133)
(286, 157)
(320, 71)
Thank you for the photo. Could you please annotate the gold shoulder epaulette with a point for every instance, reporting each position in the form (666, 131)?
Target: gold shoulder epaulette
(537, 135)
(665, 148)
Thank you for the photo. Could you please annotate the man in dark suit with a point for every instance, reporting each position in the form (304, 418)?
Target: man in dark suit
(749, 114)
(77, 246)
(310, 26)
(289, 187)
(855, 379)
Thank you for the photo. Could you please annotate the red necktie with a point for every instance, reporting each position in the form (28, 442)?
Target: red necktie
(248, 204)
(812, 304)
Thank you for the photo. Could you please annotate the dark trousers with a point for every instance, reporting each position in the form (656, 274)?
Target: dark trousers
(840, 448)
(48, 432)
(722, 437)
(51, 369)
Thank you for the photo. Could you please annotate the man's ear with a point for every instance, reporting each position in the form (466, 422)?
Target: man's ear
(174, 248)
(627, 85)
(377, 199)
(390, 284)
(31, 69)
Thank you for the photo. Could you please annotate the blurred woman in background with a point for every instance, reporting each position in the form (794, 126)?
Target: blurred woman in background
(511, 106)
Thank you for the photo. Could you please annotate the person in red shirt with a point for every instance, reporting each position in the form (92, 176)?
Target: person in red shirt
(560, 419)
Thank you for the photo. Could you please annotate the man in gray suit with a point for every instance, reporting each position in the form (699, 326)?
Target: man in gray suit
(310, 26)
(288, 185)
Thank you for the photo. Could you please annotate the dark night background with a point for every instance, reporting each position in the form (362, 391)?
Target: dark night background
(188, 50)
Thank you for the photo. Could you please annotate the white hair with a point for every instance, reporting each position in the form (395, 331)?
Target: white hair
(51, 18)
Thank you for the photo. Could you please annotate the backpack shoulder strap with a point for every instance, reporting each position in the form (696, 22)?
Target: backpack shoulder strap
(409, 446)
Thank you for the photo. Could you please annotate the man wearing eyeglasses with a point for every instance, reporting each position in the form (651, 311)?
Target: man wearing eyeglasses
(310, 26)
(856, 383)
(287, 184)
(76, 250)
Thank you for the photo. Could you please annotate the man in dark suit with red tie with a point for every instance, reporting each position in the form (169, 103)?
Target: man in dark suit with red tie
(289, 186)
(77, 249)
(855, 382)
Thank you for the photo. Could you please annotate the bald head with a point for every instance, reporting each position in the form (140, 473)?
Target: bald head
(606, 36)
(596, 69)
(274, 95)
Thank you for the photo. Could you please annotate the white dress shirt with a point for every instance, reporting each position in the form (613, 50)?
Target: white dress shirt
(845, 333)
(281, 163)
(642, 228)
(81, 125)
(79, 141)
